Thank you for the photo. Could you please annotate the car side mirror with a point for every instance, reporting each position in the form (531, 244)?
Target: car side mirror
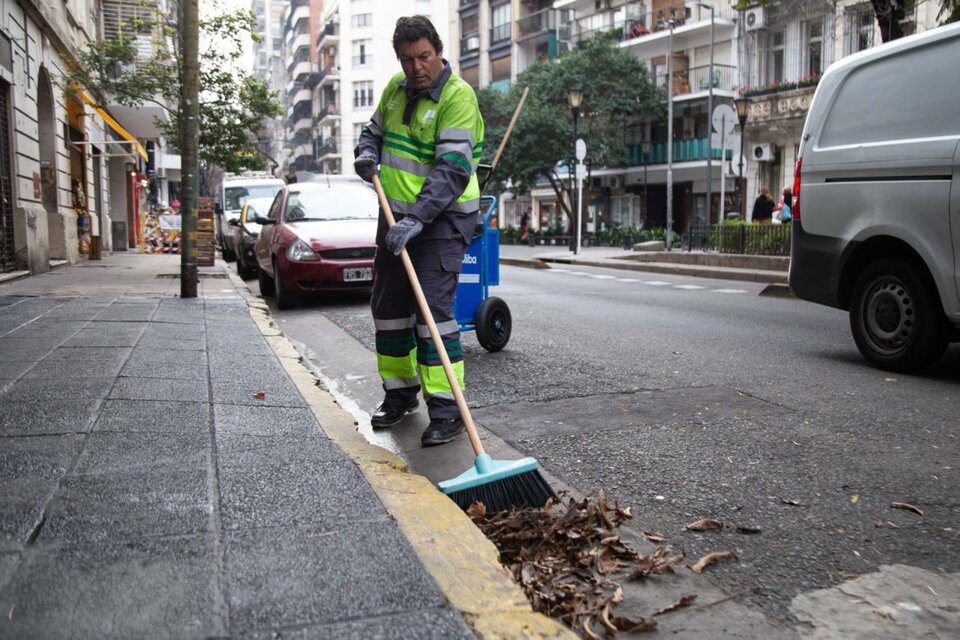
(233, 222)
(263, 221)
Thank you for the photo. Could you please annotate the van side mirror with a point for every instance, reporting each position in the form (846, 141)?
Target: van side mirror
(263, 221)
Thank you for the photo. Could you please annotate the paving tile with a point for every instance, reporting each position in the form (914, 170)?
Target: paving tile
(282, 422)
(176, 370)
(43, 417)
(126, 312)
(426, 624)
(45, 330)
(128, 504)
(12, 370)
(34, 389)
(284, 577)
(80, 368)
(275, 393)
(110, 451)
(30, 470)
(152, 415)
(160, 389)
(291, 484)
(8, 565)
(152, 588)
(107, 334)
(90, 353)
(195, 354)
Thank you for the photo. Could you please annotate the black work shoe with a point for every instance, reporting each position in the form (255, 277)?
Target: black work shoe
(386, 416)
(441, 432)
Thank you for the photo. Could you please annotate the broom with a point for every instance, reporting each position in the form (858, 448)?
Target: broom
(499, 484)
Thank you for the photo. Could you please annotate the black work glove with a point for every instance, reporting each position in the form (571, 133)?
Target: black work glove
(401, 233)
(366, 167)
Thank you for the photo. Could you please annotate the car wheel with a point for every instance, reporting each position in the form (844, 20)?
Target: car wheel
(895, 316)
(243, 270)
(493, 322)
(227, 252)
(285, 299)
(266, 283)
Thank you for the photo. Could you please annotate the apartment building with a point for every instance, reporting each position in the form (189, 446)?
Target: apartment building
(301, 28)
(269, 66)
(785, 46)
(772, 54)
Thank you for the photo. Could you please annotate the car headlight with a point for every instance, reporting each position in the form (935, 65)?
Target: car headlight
(300, 251)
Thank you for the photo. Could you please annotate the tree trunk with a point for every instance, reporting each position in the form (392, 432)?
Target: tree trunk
(189, 140)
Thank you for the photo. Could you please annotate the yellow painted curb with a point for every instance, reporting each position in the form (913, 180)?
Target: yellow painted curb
(462, 561)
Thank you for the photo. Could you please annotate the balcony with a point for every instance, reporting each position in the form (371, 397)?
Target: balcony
(696, 80)
(329, 114)
(302, 95)
(303, 124)
(501, 34)
(538, 23)
(330, 36)
(693, 150)
(304, 151)
(329, 149)
(646, 34)
(301, 40)
(329, 75)
(301, 70)
(297, 15)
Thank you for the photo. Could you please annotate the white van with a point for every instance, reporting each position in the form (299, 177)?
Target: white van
(876, 214)
(233, 192)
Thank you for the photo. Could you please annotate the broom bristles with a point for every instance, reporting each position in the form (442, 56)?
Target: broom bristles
(521, 491)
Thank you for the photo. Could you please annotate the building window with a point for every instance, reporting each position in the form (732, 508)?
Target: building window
(362, 53)
(363, 94)
(362, 20)
(501, 23)
(813, 64)
(859, 28)
(775, 57)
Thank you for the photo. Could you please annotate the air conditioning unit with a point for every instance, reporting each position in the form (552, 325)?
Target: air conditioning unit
(762, 152)
(473, 43)
(753, 19)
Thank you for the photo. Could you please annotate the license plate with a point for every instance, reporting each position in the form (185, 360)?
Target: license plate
(361, 274)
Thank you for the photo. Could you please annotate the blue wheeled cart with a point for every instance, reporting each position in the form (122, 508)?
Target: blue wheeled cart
(473, 308)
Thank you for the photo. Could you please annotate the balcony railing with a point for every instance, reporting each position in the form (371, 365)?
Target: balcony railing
(683, 151)
(501, 33)
(697, 79)
(329, 110)
(642, 24)
(537, 22)
(470, 43)
(330, 147)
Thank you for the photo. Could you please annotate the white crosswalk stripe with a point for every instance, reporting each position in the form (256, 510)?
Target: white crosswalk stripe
(652, 283)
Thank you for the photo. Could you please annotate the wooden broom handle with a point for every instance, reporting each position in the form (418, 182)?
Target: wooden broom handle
(432, 326)
(506, 136)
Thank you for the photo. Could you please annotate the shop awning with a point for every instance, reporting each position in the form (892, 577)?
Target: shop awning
(123, 133)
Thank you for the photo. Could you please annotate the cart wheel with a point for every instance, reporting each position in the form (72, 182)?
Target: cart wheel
(493, 324)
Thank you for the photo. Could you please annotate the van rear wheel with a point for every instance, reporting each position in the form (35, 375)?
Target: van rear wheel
(895, 316)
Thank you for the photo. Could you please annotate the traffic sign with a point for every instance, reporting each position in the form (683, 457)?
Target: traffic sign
(724, 118)
(581, 149)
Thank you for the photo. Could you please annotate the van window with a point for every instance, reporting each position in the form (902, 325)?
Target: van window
(910, 95)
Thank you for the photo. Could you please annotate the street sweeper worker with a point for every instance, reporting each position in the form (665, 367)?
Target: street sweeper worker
(424, 140)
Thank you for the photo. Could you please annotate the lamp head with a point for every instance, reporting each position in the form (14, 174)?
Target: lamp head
(575, 96)
(743, 104)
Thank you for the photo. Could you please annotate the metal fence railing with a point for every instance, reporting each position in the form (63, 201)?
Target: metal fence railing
(753, 239)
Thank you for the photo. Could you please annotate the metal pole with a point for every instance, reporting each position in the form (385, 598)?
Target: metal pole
(573, 166)
(723, 174)
(709, 127)
(189, 140)
(669, 234)
(579, 207)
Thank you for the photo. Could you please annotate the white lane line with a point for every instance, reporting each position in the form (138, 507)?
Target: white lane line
(688, 287)
(599, 277)
(657, 283)
(627, 280)
(730, 290)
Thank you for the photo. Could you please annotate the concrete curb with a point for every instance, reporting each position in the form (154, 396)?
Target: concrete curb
(462, 561)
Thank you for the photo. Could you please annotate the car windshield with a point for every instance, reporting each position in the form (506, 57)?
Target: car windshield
(236, 196)
(338, 202)
(257, 207)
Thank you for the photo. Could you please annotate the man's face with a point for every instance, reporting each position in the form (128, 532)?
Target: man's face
(421, 63)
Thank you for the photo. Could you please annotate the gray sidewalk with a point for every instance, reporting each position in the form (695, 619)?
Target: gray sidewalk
(164, 473)
(770, 270)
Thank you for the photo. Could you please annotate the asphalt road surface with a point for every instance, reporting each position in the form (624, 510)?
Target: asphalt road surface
(690, 398)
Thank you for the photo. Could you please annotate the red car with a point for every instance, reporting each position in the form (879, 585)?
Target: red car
(318, 236)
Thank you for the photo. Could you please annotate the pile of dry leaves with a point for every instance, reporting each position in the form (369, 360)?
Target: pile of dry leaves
(568, 559)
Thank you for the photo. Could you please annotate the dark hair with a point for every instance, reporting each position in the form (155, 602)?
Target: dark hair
(412, 28)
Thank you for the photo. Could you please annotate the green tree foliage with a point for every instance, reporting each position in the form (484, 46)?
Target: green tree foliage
(233, 104)
(617, 94)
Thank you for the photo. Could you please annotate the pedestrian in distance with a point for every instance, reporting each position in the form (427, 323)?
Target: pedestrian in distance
(525, 227)
(783, 212)
(763, 206)
(424, 140)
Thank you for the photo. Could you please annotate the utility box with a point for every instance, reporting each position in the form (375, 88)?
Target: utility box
(118, 235)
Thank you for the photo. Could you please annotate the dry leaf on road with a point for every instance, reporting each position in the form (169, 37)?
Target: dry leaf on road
(684, 601)
(710, 558)
(260, 395)
(907, 507)
(705, 524)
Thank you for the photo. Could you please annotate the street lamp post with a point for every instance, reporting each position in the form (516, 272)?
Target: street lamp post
(709, 129)
(645, 149)
(669, 234)
(742, 103)
(575, 97)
